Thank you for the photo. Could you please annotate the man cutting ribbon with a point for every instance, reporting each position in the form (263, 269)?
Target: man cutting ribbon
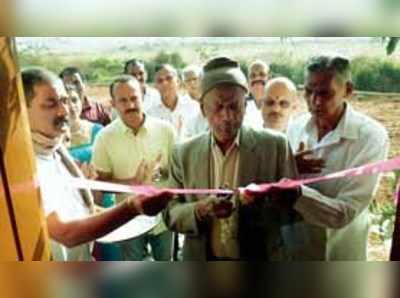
(71, 221)
(230, 156)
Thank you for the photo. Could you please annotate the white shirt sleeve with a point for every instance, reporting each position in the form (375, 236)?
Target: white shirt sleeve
(354, 196)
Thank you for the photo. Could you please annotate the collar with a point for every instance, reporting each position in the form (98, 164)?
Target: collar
(44, 145)
(347, 127)
(236, 142)
(125, 129)
(179, 104)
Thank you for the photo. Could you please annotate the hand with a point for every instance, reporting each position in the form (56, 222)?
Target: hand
(148, 171)
(284, 195)
(251, 193)
(150, 204)
(89, 171)
(141, 173)
(156, 169)
(213, 207)
(306, 164)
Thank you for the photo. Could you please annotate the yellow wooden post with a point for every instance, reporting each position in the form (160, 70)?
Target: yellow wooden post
(23, 231)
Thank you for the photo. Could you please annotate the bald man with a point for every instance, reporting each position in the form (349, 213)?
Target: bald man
(279, 103)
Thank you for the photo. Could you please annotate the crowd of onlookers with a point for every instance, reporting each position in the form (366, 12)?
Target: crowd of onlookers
(206, 127)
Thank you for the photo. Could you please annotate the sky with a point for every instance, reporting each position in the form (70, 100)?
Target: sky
(203, 18)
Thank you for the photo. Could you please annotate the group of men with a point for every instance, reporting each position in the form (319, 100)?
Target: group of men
(228, 131)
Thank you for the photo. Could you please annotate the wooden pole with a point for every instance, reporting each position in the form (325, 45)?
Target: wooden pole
(23, 234)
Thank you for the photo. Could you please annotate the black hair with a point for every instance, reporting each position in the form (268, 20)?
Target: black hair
(33, 76)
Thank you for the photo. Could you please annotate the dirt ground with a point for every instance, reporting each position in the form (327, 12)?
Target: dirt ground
(384, 109)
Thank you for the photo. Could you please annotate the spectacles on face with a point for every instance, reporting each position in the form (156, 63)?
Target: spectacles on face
(283, 104)
(167, 78)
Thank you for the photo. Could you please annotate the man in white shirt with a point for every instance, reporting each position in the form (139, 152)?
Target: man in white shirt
(279, 103)
(335, 212)
(257, 77)
(136, 68)
(69, 212)
(191, 82)
(173, 107)
(134, 149)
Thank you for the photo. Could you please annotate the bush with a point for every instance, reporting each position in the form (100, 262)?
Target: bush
(290, 68)
(102, 70)
(380, 74)
(376, 74)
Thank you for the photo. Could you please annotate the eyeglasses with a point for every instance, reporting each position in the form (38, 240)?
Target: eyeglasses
(283, 104)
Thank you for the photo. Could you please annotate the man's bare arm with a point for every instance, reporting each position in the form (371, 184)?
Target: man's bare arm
(76, 232)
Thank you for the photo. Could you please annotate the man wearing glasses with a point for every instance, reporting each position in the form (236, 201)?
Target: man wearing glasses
(279, 103)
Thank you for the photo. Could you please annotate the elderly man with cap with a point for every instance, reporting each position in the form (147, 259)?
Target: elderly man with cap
(229, 156)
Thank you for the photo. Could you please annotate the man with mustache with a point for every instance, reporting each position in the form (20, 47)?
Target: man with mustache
(71, 221)
(279, 102)
(230, 155)
(257, 77)
(336, 212)
(137, 69)
(134, 149)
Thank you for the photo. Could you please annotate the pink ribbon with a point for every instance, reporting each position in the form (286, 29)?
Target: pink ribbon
(141, 189)
(369, 169)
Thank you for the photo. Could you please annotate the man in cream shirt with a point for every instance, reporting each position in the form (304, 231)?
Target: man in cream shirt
(335, 212)
(134, 149)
